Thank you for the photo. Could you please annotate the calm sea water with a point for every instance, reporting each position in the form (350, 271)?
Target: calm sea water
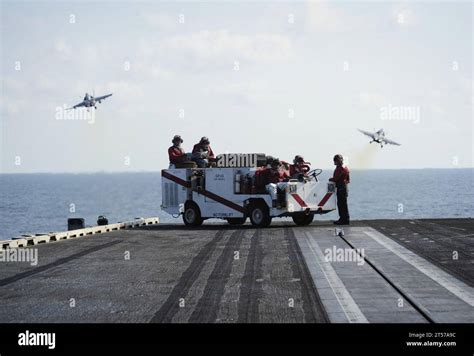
(34, 203)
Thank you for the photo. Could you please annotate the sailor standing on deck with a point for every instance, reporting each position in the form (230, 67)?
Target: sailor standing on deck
(342, 179)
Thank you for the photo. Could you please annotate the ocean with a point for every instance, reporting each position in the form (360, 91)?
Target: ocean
(38, 203)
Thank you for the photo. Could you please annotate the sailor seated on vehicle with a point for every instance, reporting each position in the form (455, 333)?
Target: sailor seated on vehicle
(202, 153)
(274, 178)
(299, 168)
(178, 158)
(269, 160)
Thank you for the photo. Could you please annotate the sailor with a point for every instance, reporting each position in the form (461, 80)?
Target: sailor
(176, 152)
(269, 160)
(342, 179)
(202, 153)
(299, 167)
(275, 177)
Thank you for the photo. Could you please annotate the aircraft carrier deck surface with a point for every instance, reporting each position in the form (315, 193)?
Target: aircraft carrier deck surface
(413, 271)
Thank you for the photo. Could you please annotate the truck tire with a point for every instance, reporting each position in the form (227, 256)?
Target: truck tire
(192, 215)
(260, 215)
(236, 221)
(302, 219)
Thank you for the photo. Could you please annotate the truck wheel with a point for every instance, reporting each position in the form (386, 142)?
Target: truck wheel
(192, 215)
(260, 216)
(302, 219)
(236, 221)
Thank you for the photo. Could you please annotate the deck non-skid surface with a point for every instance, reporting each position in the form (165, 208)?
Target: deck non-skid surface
(218, 273)
(447, 243)
(396, 286)
(164, 275)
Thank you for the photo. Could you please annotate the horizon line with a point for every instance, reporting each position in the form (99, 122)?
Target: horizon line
(159, 171)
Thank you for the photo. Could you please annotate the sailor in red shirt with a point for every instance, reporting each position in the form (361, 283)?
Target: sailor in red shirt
(274, 177)
(202, 153)
(342, 178)
(176, 152)
(299, 167)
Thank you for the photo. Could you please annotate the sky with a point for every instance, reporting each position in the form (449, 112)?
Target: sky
(281, 78)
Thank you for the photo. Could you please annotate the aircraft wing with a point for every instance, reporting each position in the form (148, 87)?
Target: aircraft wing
(102, 97)
(370, 134)
(76, 106)
(390, 142)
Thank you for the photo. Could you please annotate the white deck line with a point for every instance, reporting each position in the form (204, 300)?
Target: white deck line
(452, 284)
(347, 303)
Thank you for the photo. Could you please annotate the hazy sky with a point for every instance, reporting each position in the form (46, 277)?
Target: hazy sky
(271, 77)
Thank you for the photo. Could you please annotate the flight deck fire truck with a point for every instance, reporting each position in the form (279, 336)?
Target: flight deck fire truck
(232, 190)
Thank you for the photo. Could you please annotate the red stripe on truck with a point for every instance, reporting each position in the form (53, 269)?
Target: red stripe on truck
(176, 179)
(204, 192)
(222, 200)
(325, 199)
(299, 200)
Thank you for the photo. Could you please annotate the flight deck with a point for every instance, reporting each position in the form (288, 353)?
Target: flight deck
(374, 271)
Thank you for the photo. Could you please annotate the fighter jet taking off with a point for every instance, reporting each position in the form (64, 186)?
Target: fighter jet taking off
(90, 101)
(379, 137)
